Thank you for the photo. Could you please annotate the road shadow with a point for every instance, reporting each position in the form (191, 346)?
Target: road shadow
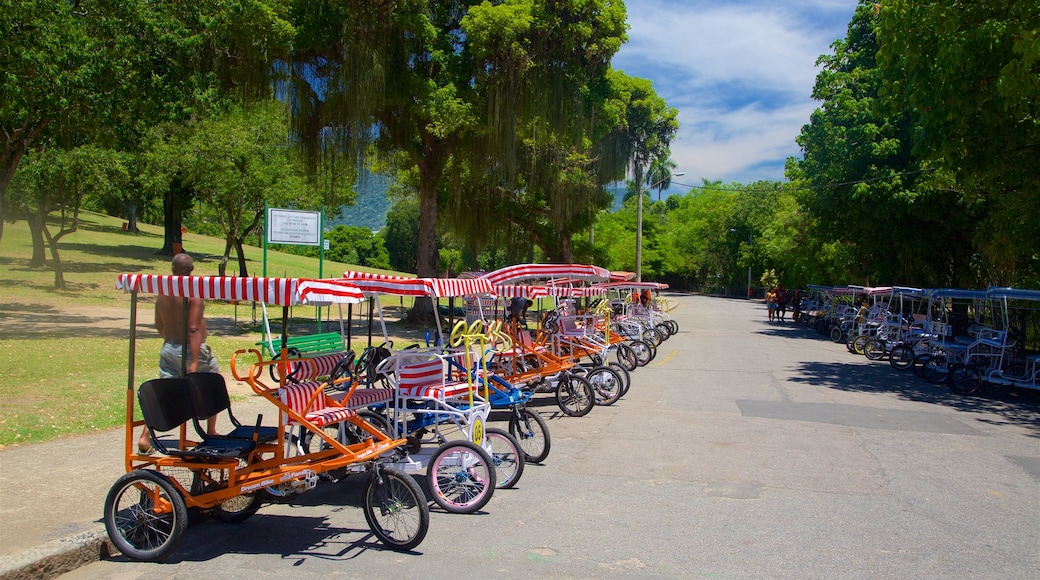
(292, 537)
(1019, 407)
(790, 330)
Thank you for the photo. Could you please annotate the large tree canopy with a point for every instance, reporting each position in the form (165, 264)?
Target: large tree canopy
(968, 75)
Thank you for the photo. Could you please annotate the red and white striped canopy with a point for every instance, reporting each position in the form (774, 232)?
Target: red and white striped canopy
(634, 285)
(546, 271)
(401, 286)
(279, 291)
(528, 291)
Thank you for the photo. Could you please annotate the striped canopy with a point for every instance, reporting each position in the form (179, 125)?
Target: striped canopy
(529, 291)
(633, 286)
(279, 291)
(546, 271)
(400, 286)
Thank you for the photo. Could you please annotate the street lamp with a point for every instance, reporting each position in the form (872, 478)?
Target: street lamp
(639, 221)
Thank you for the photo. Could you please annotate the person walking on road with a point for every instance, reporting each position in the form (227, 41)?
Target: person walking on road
(170, 322)
(781, 303)
(771, 303)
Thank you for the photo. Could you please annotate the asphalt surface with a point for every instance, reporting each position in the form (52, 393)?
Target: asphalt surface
(744, 450)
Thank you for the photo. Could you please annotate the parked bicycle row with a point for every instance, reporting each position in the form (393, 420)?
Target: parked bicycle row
(961, 338)
(388, 413)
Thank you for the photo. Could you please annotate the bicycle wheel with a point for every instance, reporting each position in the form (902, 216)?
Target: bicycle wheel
(936, 370)
(626, 357)
(395, 509)
(836, 334)
(606, 385)
(626, 378)
(822, 327)
(664, 329)
(237, 509)
(531, 433)
(964, 379)
(145, 516)
(919, 362)
(461, 477)
(506, 455)
(874, 349)
(652, 336)
(901, 357)
(674, 326)
(850, 342)
(642, 352)
(574, 395)
(859, 344)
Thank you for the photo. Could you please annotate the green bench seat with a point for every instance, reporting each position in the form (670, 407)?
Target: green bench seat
(307, 344)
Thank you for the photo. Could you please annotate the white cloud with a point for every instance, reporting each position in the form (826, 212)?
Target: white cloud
(740, 74)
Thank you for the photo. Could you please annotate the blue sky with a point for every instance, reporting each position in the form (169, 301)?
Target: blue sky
(740, 74)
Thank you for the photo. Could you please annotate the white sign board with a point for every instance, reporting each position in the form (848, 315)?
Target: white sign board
(289, 226)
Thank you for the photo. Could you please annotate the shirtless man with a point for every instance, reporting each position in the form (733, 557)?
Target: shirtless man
(169, 321)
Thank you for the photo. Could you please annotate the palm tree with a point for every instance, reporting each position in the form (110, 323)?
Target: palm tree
(659, 175)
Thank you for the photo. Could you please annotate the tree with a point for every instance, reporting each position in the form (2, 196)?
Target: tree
(401, 234)
(95, 70)
(862, 184)
(966, 75)
(357, 245)
(659, 174)
(239, 162)
(56, 180)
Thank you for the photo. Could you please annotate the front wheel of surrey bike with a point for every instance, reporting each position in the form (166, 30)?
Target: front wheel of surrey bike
(652, 336)
(836, 333)
(531, 433)
(606, 383)
(874, 349)
(936, 370)
(642, 352)
(506, 455)
(626, 378)
(850, 343)
(919, 361)
(461, 477)
(574, 395)
(859, 344)
(664, 329)
(964, 379)
(626, 357)
(396, 509)
(901, 357)
(673, 325)
(145, 516)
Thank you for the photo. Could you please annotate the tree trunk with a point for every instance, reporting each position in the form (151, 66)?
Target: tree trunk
(174, 202)
(240, 251)
(565, 253)
(131, 217)
(12, 150)
(52, 243)
(37, 221)
(229, 242)
(431, 171)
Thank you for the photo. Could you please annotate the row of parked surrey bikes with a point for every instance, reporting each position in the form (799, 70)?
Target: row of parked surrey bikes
(413, 426)
(965, 339)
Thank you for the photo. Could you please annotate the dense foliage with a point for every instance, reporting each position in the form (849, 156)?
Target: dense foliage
(501, 129)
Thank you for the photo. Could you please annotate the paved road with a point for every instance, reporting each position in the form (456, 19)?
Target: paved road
(745, 450)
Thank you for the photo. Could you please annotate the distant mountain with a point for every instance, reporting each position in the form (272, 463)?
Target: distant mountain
(371, 207)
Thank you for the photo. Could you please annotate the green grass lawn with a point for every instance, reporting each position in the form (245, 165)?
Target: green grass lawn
(64, 354)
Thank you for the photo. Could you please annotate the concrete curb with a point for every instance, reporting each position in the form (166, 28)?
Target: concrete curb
(57, 557)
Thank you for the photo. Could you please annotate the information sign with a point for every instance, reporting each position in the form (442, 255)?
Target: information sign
(287, 226)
